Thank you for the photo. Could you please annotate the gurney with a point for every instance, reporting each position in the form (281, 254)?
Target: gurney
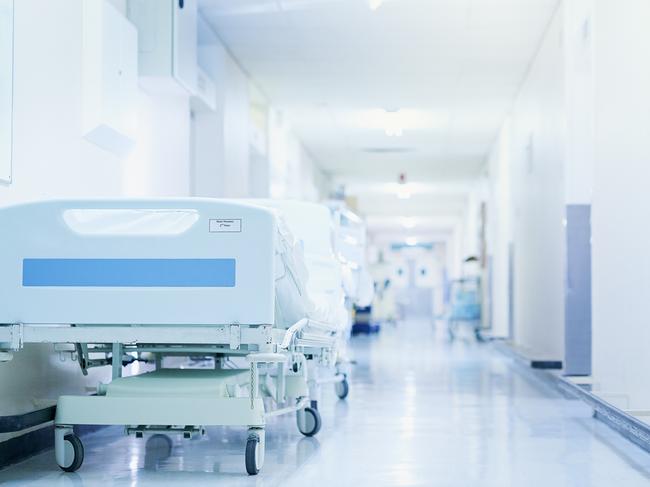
(122, 280)
(350, 247)
(465, 306)
(308, 228)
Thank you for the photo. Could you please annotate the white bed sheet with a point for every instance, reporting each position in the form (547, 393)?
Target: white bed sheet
(306, 285)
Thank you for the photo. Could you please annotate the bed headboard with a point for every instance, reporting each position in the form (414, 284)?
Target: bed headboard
(154, 261)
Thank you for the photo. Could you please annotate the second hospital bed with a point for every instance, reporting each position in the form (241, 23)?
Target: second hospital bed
(125, 279)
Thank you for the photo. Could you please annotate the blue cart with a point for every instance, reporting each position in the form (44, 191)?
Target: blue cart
(465, 306)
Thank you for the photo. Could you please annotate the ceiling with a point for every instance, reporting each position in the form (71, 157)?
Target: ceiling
(455, 65)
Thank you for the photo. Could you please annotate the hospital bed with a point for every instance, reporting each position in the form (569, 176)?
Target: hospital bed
(129, 279)
(309, 227)
(350, 238)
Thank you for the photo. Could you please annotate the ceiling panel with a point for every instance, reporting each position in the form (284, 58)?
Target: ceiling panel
(324, 61)
(422, 205)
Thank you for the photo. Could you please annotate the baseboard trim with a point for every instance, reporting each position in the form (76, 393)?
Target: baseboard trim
(544, 364)
(32, 443)
(20, 422)
(626, 425)
(24, 446)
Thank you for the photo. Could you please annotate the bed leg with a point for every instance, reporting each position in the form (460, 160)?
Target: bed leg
(312, 381)
(280, 385)
(117, 360)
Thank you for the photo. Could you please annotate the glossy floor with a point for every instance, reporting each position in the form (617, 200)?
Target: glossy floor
(422, 412)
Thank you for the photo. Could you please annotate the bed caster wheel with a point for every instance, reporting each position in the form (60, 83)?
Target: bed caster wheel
(479, 336)
(158, 447)
(342, 388)
(309, 421)
(254, 452)
(73, 453)
(160, 442)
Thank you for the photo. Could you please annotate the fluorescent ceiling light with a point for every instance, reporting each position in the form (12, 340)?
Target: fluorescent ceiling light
(409, 223)
(375, 4)
(393, 126)
(403, 192)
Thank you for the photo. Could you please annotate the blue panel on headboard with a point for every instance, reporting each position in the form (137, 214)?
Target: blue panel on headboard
(129, 272)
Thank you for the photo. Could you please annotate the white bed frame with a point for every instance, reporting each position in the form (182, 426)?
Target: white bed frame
(114, 317)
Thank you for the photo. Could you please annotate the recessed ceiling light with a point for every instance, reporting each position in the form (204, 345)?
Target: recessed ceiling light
(403, 193)
(409, 223)
(375, 4)
(393, 124)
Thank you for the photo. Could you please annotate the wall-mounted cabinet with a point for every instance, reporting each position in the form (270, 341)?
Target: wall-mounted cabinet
(167, 44)
(110, 77)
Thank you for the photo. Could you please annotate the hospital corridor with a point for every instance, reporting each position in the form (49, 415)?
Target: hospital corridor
(317, 243)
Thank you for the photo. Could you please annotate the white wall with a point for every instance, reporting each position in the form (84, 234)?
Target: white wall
(532, 145)
(499, 231)
(236, 110)
(51, 159)
(580, 101)
(225, 163)
(294, 172)
(621, 238)
(472, 222)
(538, 197)
(455, 255)
(159, 164)
(587, 105)
(221, 138)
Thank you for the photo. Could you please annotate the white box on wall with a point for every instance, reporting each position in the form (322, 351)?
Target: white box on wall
(205, 98)
(110, 77)
(167, 51)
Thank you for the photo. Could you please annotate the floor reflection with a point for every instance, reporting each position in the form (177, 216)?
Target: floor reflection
(422, 411)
